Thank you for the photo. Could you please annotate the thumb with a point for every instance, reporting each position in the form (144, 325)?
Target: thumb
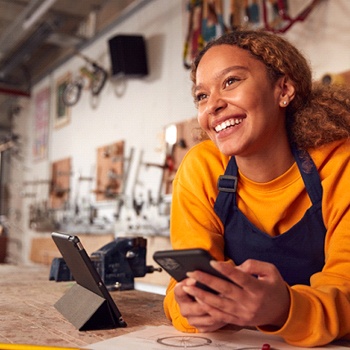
(229, 262)
(223, 266)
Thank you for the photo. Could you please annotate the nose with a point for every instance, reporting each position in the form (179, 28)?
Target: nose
(215, 103)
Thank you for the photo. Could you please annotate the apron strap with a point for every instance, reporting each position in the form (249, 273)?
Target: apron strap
(227, 186)
(309, 174)
(227, 183)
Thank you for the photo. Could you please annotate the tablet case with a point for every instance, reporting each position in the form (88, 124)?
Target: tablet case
(88, 304)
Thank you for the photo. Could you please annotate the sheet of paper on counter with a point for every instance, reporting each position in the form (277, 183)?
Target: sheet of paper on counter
(166, 337)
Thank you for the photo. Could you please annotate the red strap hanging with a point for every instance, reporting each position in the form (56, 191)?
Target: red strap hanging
(283, 13)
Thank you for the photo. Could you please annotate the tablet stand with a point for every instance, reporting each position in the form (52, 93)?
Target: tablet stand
(86, 310)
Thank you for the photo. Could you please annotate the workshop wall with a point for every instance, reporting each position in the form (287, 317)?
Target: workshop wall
(136, 111)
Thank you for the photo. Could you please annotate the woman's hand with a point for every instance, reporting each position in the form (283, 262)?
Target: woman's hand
(260, 297)
(196, 315)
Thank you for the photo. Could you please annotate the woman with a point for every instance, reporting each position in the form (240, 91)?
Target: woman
(281, 218)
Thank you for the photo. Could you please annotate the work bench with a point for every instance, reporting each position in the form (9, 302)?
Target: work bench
(28, 315)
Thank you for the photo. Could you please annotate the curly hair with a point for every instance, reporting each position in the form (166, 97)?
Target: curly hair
(318, 114)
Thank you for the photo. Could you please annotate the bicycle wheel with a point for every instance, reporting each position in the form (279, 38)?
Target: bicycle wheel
(98, 81)
(72, 93)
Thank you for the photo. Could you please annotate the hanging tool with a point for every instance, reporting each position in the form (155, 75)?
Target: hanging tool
(283, 14)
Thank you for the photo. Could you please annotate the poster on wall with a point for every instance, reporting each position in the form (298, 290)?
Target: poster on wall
(41, 124)
(62, 112)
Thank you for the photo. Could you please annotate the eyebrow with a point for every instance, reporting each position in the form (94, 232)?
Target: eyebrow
(222, 73)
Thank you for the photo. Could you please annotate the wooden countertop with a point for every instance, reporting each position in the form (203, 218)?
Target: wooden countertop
(27, 314)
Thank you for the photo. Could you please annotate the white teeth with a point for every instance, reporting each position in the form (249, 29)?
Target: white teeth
(227, 123)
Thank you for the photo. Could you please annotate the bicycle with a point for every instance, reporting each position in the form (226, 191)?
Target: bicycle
(95, 74)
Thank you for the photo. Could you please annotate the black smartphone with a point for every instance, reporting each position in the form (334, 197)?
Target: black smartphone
(180, 261)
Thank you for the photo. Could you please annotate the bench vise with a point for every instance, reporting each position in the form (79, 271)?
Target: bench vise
(121, 260)
(117, 262)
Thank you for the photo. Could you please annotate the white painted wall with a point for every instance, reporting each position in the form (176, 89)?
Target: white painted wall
(138, 111)
(324, 37)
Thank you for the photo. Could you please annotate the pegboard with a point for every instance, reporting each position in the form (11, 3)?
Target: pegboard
(188, 133)
(60, 183)
(110, 171)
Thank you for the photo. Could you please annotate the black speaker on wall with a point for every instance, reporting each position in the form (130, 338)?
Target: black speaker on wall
(128, 55)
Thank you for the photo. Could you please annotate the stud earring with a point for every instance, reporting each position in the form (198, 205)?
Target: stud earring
(284, 103)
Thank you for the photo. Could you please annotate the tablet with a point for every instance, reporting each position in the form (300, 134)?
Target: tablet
(87, 277)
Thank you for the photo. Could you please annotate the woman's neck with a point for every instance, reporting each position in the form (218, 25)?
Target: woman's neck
(267, 165)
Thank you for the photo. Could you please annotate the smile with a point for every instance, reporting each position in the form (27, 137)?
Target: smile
(228, 123)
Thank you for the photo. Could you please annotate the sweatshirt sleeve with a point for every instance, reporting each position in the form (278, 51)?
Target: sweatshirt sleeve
(172, 311)
(193, 221)
(319, 313)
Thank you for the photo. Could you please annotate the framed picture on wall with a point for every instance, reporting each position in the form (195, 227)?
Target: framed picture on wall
(62, 112)
(41, 124)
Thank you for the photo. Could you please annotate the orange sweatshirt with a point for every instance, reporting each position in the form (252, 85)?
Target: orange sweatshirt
(319, 313)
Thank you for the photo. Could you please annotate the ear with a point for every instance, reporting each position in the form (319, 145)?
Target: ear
(287, 91)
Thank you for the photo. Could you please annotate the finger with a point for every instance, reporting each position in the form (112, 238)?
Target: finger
(248, 274)
(261, 269)
(187, 303)
(220, 285)
(221, 309)
(229, 308)
(215, 304)
(228, 263)
(205, 324)
(199, 294)
(180, 295)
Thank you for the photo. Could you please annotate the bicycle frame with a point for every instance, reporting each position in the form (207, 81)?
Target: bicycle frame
(283, 13)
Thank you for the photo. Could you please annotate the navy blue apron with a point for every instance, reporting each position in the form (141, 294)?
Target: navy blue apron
(297, 253)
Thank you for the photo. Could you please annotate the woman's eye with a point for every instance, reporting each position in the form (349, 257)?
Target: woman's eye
(230, 81)
(200, 97)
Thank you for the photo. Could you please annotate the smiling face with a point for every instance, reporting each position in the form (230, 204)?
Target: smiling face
(239, 107)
